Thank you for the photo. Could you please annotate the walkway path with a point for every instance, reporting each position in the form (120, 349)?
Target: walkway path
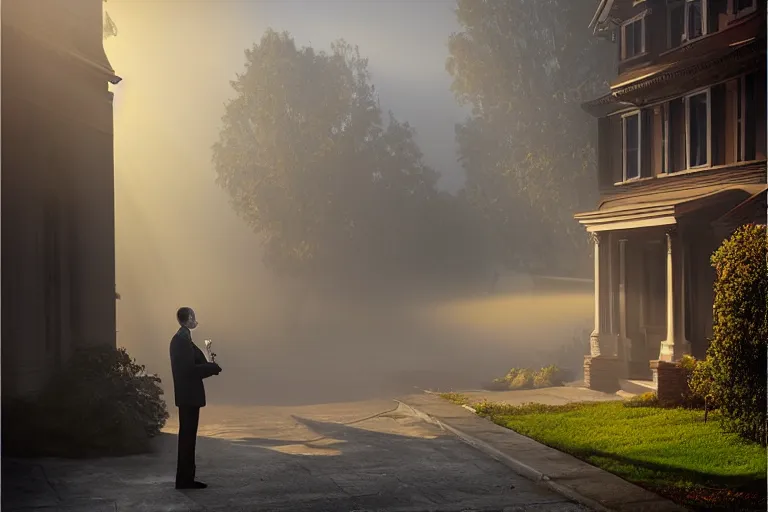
(360, 456)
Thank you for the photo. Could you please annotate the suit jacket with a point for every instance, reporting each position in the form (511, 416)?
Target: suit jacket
(189, 367)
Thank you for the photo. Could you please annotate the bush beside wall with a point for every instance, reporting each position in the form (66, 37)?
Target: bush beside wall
(103, 403)
(735, 369)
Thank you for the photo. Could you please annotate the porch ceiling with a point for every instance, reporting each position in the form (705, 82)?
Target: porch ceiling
(662, 208)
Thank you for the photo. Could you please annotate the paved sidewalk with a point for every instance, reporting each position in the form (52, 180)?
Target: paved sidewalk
(558, 471)
(362, 457)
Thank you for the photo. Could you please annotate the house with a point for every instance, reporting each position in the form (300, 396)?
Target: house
(681, 164)
(58, 250)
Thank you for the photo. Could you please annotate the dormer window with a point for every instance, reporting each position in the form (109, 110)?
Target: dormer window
(633, 38)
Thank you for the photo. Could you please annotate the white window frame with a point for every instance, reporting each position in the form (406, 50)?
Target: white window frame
(664, 112)
(704, 19)
(688, 97)
(624, 117)
(639, 18)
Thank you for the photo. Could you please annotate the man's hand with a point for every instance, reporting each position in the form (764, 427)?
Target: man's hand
(218, 369)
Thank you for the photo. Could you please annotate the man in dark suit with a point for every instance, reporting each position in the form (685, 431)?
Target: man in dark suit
(189, 367)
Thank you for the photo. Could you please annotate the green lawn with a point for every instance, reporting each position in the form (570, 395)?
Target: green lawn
(669, 451)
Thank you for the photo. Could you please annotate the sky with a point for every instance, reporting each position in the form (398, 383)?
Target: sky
(184, 52)
(177, 239)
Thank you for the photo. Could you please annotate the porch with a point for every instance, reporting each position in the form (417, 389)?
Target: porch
(654, 282)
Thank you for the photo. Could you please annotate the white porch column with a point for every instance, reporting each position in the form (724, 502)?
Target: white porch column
(676, 345)
(602, 340)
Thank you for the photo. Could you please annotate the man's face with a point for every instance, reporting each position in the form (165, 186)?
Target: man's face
(192, 322)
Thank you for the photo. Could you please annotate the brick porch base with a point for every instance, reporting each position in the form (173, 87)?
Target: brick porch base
(602, 373)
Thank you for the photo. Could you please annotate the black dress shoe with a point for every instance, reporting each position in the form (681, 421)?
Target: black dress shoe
(191, 485)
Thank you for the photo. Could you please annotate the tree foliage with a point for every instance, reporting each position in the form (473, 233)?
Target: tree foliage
(310, 164)
(525, 67)
(109, 29)
(737, 353)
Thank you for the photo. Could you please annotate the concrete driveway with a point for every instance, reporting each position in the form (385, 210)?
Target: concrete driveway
(360, 456)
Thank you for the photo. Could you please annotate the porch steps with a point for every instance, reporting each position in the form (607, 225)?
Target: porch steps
(631, 388)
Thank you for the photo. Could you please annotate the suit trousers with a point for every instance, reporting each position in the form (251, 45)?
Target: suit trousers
(189, 417)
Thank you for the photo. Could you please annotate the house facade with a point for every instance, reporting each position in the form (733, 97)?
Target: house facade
(682, 163)
(58, 251)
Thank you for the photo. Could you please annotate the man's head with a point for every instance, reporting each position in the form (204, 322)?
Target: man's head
(186, 318)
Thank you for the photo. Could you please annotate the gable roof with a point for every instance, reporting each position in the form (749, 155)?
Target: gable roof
(601, 15)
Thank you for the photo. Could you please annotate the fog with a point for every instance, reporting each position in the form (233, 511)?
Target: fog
(179, 243)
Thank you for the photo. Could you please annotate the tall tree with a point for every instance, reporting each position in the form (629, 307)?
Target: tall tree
(109, 29)
(311, 166)
(525, 66)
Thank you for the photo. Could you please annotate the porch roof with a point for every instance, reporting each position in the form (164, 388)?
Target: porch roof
(755, 207)
(661, 208)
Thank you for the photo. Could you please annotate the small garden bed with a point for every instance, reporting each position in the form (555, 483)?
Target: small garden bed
(526, 378)
(671, 452)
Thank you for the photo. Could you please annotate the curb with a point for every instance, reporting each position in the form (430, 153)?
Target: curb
(517, 466)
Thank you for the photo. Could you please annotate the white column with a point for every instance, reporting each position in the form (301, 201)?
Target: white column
(675, 345)
(602, 340)
(594, 339)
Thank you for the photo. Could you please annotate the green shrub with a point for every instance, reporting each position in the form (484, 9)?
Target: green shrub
(701, 381)
(456, 398)
(548, 377)
(101, 404)
(523, 379)
(737, 352)
(649, 399)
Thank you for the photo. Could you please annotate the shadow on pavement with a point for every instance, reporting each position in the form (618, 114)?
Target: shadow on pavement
(340, 468)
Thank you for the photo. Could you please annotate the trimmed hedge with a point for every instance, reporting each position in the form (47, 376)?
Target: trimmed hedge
(736, 357)
(103, 403)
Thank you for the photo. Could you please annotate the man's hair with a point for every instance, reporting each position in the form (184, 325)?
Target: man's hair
(183, 314)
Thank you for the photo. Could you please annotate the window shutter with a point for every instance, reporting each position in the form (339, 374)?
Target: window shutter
(676, 135)
(616, 141)
(646, 143)
(604, 152)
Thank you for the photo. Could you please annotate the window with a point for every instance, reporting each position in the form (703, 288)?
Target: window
(744, 6)
(633, 38)
(694, 19)
(631, 124)
(716, 9)
(675, 24)
(697, 116)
